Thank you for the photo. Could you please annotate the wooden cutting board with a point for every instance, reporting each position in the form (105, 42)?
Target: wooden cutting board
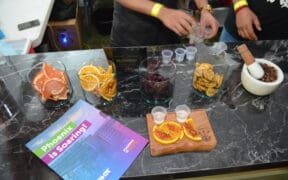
(203, 126)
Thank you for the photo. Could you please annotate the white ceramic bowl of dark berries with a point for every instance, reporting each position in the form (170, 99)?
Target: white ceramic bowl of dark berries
(273, 77)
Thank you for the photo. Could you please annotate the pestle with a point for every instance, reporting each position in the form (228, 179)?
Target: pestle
(254, 68)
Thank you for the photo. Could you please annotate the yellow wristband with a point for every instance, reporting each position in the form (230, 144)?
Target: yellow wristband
(239, 4)
(156, 9)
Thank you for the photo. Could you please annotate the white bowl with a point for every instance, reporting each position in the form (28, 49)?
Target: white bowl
(258, 87)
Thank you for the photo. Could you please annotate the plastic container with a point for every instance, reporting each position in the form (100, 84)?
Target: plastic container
(21, 46)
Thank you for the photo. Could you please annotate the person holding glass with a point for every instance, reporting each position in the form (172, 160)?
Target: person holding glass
(256, 20)
(156, 22)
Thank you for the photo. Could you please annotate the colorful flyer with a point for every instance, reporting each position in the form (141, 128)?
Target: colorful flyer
(86, 143)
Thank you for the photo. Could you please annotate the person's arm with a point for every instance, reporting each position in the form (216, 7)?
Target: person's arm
(246, 20)
(176, 20)
(207, 19)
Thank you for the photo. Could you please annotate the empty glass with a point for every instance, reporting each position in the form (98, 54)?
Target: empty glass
(218, 48)
(191, 53)
(166, 55)
(159, 114)
(180, 54)
(182, 112)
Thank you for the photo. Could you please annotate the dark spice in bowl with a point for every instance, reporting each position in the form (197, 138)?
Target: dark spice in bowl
(270, 73)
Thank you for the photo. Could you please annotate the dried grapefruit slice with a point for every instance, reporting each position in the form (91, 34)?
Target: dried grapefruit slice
(61, 96)
(50, 72)
(168, 132)
(52, 87)
(38, 81)
(190, 130)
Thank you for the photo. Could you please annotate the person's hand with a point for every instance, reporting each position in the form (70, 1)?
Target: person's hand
(245, 22)
(207, 20)
(177, 21)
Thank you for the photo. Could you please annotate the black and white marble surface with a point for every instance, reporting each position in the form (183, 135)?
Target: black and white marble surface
(251, 131)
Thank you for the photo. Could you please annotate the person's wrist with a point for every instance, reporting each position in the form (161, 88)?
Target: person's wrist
(206, 8)
(239, 5)
(156, 8)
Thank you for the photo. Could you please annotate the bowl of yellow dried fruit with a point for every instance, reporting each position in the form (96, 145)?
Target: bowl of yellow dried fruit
(99, 83)
(208, 79)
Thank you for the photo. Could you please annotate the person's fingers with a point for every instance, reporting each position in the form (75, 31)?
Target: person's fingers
(251, 35)
(187, 26)
(209, 26)
(174, 29)
(249, 32)
(182, 31)
(257, 24)
(241, 33)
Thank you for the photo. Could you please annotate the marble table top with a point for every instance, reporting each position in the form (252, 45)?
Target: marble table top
(251, 130)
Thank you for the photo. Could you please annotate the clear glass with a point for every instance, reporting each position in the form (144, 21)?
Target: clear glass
(209, 83)
(195, 37)
(218, 48)
(182, 112)
(166, 55)
(100, 87)
(180, 54)
(157, 81)
(191, 53)
(51, 83)
(159, 113)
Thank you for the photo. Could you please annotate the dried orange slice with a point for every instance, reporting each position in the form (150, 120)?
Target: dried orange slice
(108, 89)
(168, 132)
(88, 69)
(110, 69)
(190, 130)
(89, 82)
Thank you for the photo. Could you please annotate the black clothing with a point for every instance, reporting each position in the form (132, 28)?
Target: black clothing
(131, 28)
(273, 20)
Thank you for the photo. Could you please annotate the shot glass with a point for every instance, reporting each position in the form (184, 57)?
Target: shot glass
(180, 54)
(191, 53)
(218, 48)
(166, 56)
(159, 113)
(182, 113)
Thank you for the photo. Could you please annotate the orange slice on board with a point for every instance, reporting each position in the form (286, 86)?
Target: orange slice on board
(190, 131)
(168, 132)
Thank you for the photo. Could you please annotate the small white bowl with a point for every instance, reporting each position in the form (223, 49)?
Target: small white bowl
(258, 87)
